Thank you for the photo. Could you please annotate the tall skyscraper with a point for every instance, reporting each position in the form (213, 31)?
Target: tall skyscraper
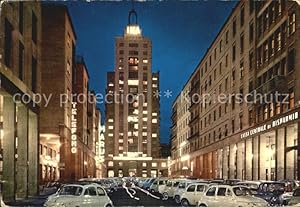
(132, 109)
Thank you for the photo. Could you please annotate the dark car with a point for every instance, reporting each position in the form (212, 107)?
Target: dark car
(275, 193)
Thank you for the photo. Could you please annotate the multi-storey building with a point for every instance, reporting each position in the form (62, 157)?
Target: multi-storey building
(254, 53)
(20, 71)
(58, 60)
(132, 111)
(87, 121)
(180, 133)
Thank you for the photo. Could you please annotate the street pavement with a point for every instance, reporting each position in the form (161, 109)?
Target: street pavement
(131, 196)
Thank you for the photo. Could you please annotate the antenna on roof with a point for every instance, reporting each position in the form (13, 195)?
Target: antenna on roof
(132, 12)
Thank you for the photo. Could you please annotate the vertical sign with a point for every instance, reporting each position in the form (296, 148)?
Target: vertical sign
(74, 128)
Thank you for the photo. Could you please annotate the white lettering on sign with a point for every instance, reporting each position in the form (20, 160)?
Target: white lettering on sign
(274, 123)
(74, 128)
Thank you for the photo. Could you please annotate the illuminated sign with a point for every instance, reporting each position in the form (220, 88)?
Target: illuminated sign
(275, 123)
(74, 128)
(101, 147)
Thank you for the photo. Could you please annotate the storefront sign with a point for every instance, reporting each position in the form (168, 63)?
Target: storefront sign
(74, 128)
(275, 123)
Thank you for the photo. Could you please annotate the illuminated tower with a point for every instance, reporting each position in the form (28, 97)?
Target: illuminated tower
(132, 111)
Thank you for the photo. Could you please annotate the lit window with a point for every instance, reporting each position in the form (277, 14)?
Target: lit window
(144, 134)
(145, 112)
(145, 119)
(145, 60)
(163, 164)
(121, 82)
(145, 104)
(145, 82)
(110, 134)
(133, 82)
(154, 135)
(154, 78)
(120, 67)
(144, 164)
(110, 120)
(121, 148)
(110, 127)
(129, 133)
(154, 164)
(154, 85)
(110, 164)
(154, 114)
(154, 121)
(121, 140)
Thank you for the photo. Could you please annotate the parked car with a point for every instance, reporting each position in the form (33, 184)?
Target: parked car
(252, 185)
(182, 187)
(141, 181)
(192, 193)
(295, 200)
(170, 188)
(275, 193)
(90, 195)
(148, 183)
(158, 184)
(231, 181)
(229, 196)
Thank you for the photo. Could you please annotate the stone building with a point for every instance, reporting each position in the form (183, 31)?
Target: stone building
(20, 79)
(180, 133)
(58, 61)
(253, 56)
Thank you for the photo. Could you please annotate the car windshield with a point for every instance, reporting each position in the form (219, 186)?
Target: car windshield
(241, 191)
(71, 190)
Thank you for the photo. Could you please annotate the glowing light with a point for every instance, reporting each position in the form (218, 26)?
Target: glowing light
(74, 128)
(185, 158)
(133, 30)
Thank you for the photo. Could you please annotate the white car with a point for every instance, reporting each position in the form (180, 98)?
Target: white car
(230, 196)
(182, 187)
(170, 188)
(192, 193)
(158, 185)
(91, 195)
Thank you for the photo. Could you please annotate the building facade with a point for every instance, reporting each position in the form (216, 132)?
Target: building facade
(20, 74)
(58, 60)
(181, 165)
(132, 111)
(254, 56)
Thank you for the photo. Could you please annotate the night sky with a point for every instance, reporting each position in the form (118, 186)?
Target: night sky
(180, 32)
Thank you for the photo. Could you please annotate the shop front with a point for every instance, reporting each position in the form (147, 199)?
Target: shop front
(268, 151)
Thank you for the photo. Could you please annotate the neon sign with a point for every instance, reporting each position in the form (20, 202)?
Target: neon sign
(74, 128)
